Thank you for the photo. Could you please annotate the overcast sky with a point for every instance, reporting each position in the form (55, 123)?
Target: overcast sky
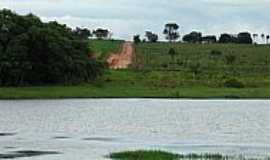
(128, 17)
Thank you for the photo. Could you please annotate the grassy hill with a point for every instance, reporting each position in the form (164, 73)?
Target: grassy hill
(104, 47)
(196, 71)
(207, 64)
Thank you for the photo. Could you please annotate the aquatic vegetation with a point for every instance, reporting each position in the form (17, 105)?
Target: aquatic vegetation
(162, 155)
(144, 155)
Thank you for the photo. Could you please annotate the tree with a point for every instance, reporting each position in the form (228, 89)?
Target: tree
(227, 38)
(244, 38)
(171, 31)
(255, 35)
(137, 39)
(101, 33)
(263, 37)
(152, 37)
(83, 33)
(209, 39)
(37, 53)
(172, 53)
(267, 38)
(193, 37)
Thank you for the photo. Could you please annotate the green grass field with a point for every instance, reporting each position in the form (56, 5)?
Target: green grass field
(156, 75)
(131, 84)
(207, 64)
(104, 47)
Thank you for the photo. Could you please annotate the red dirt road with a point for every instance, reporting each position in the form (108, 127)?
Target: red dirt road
(123, 59)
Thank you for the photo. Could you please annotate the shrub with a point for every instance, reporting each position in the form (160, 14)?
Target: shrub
(215, 53)
(230, 59)
(172, 53)
(233, 83)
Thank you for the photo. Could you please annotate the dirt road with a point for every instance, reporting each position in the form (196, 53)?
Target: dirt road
(122, 59)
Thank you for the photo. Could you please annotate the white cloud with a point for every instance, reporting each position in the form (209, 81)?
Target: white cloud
(127, 18)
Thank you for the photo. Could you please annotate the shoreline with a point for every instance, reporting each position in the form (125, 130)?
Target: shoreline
(144, 98)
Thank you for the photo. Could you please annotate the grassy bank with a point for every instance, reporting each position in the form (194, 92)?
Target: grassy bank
(132, 84)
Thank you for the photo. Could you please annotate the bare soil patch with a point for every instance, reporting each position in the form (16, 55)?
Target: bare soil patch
(123, 59)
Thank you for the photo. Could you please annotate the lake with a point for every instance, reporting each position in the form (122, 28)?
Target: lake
(89, 129)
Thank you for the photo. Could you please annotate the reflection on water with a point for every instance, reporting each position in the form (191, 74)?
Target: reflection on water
(25, 153)
(89, 129)
(7, 134)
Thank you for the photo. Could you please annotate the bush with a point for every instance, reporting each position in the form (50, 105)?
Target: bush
(215, 53)
(233, 83)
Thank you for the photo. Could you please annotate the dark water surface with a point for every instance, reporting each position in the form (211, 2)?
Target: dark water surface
(86, 129)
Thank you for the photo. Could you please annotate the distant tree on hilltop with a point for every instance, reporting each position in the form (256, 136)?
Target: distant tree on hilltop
(171, 31)
(152, 37)
(244, 38)
(83, 33)
(227, 38)
(193, 37)
(136, 39)
(267, 38)
(101, 33)
(255, 36)
(263, 36)
(209, 39)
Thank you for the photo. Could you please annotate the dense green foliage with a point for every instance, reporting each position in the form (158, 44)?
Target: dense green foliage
(37, 53)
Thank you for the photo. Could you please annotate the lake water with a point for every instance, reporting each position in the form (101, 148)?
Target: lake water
(88, 129)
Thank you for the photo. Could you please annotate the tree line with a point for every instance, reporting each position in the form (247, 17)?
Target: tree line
(37, 53)
(171, 32)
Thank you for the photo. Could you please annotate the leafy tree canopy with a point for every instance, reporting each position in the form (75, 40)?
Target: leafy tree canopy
(37, 53)
(193, 37)
(171, 31)
(152, 37)
(101, 33)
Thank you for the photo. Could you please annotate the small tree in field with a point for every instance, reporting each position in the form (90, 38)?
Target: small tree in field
(137, 39)
(152, 37)
(172, 53)
(263, 36)
(230, 59)
(195, 68)
(267, 38)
